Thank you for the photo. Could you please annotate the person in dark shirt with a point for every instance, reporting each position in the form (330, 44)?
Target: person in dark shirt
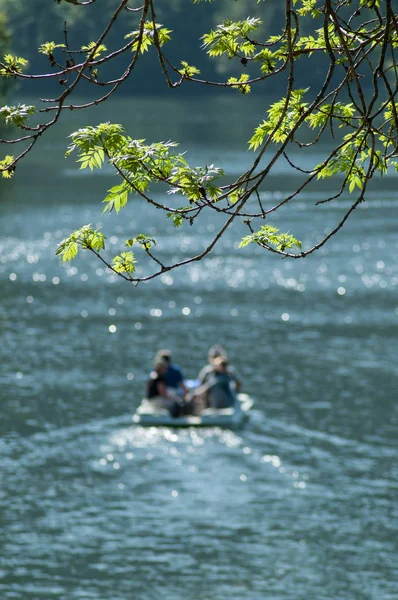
(174, 375)
(158, 392)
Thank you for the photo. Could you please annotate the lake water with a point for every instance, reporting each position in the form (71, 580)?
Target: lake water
(301, 504)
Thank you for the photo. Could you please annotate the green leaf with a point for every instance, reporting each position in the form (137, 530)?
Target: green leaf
(269, 236)
(148, 36)
(98, 51)
(240, 84)
(145, 241)
(188, 70)
(49, 47)
(124, 263)
(16, 115)
(7, 167)
(12, 65)
(230, 38)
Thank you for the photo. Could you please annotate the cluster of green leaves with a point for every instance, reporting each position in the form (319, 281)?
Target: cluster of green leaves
(391, 115)
(140, 164)
(91, 142)
(188, 70)
(124, 263)
(308, 7)
(370, 3)
(16, 115)
(231, 38)
(196, 183)
(282, 118)
(86, 238)
(241, 83)
(268, 59)
(7, 166)
(270, 237)
(12, 65)
(343, 113)
(307, 45)
(369, 147)
(48, 48)
(147, 38)
(352, 160)
(145, 241)
(90, 47)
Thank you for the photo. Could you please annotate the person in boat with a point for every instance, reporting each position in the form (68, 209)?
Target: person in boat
(206, 372)
(159, 394)
(174, 375)
(219, 388)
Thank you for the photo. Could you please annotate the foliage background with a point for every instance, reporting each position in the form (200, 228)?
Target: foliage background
(43, 20)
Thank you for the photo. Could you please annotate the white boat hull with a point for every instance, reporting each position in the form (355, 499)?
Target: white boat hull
(229, 418)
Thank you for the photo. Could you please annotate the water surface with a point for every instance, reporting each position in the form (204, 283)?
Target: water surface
(299, 504)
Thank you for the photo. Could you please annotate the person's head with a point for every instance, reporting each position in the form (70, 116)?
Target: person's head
(220, 363)
(215, 351)
(163, 355)
(160, 366)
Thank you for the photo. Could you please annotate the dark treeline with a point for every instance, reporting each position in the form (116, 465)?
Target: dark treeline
(5, 41)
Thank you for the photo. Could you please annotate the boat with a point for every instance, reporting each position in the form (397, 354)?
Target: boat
(228, 418)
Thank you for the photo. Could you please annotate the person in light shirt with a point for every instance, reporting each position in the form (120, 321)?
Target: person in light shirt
(214, 352)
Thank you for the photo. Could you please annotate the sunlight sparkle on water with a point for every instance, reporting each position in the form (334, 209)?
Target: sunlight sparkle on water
(167, 279)
(170, 436)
